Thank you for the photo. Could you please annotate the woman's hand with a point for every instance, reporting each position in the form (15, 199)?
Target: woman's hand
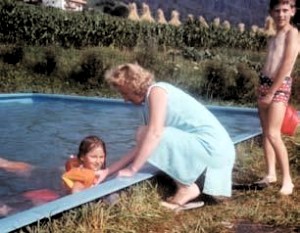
(127, 172)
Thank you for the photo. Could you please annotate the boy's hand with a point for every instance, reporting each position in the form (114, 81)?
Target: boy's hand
(267, 100)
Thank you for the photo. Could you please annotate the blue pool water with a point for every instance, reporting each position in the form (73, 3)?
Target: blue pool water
(44, 130)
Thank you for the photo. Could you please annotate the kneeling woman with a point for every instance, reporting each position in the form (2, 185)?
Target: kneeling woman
(182, 138)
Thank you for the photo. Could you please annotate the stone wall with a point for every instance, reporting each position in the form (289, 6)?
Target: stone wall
(249, 12)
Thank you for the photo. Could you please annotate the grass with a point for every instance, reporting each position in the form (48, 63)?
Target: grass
(138, 208)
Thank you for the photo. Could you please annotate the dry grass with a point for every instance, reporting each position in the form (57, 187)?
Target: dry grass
(138, 209)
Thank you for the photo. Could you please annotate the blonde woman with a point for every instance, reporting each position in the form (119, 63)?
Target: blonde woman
(181, 138)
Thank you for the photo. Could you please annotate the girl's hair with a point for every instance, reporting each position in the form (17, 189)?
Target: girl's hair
(88, 144)
(274, 3)
(131, 75)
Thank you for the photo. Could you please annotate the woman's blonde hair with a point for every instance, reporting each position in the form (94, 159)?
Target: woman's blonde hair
(131, 75)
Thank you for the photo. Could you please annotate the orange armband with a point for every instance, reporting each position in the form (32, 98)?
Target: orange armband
(72, 162)
(82, 175)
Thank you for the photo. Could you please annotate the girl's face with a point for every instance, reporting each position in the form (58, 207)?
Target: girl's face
(129, 95)
(282, 14)
(94, 159)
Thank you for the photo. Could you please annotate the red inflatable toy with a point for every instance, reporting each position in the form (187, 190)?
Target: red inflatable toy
(290, 121)
(40, 196)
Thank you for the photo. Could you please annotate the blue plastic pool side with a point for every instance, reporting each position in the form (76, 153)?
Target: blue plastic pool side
(16, 221)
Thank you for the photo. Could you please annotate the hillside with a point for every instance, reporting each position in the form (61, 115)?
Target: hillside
(247, 11)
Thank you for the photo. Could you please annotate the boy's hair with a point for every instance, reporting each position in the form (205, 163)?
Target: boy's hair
(88, 144)
(274, 3)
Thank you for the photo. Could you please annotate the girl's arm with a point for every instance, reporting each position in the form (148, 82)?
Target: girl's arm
(153, 132)
(77, 187)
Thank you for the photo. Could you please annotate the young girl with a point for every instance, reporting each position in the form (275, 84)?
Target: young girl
(83, 172)
(275, 89)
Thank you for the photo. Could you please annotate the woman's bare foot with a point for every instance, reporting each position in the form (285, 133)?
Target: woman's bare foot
(287, 189)
(185, 194)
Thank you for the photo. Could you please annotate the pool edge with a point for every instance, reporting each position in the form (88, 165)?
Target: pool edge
(35, 214)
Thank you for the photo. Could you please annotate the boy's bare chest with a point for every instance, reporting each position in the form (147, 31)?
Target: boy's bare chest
(277, 44)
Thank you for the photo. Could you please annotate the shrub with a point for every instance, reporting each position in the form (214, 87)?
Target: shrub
(219, 79)
(146, 53)
(48, 63)
(246, 81)
(91, 70)
(12, 54)
(196, 54)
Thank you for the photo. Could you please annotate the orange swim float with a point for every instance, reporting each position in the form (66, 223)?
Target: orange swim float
(79, 174)
(290, 121)
(72, 162)
(76, 173)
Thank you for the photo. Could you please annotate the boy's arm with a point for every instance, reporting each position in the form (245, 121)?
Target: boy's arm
(288, 60)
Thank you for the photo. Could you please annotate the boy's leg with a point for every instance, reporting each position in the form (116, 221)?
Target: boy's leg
(276, 112)
(267, 147)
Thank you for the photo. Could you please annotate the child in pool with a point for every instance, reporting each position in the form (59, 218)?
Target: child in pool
(275, 89)
(83, 171)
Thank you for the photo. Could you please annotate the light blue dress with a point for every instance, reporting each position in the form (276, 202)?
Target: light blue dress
(193, 140)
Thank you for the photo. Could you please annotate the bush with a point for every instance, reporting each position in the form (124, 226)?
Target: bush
(12, 54)
(48, 63)
(246, 81)
(219, 79)
(146, 53)
(196, 54)
(91, 70)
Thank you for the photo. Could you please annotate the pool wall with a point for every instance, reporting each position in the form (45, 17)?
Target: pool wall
(19, 220)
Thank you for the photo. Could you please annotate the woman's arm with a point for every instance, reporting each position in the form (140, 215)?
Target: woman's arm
(153, 132)
(116, 166)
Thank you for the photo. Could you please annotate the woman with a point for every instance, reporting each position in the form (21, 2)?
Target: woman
(181, 138)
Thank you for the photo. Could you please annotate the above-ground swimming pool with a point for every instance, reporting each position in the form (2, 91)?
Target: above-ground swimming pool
(43, 130)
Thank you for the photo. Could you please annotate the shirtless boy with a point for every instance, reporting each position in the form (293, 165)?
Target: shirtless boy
(275, 89)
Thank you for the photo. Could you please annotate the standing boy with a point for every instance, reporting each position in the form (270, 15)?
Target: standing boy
(275, 89)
